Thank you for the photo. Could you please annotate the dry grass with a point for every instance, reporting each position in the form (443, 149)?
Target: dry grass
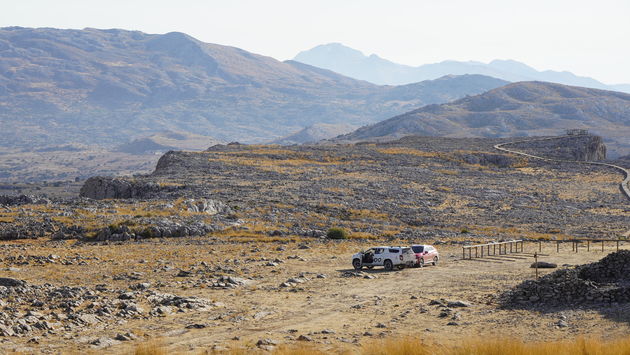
(152, 347)
(454, 201)
(368, 214)
(362, 235)
(566, 347)
(416, 346)
(448, 172)
(517, 233)
(275, 160)
(410, 151)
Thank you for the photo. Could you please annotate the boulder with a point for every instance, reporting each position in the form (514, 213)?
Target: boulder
(456, 304)
(544, 265)
(101, 187)
(207, 206)
(8, 282)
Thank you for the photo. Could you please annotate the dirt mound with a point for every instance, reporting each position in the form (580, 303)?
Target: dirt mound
(605, 281)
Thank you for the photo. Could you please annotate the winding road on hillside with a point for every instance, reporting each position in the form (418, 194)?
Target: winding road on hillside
(625, 189)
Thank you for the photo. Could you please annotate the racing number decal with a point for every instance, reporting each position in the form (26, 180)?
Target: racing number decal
(377, 260)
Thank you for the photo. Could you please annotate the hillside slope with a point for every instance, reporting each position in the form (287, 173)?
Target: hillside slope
(519, 109)
(107, 87)
(315, 133)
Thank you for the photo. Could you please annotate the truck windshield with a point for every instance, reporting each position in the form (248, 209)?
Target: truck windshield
(418, 249)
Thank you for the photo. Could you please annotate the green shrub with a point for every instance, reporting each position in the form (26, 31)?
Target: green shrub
(337, 233)
(465, 230)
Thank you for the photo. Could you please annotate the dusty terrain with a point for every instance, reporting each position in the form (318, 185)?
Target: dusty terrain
(226, 248)
(328, 306)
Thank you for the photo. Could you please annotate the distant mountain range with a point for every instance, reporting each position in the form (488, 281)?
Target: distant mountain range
(108, 87)
(518, 109)
(351, 62)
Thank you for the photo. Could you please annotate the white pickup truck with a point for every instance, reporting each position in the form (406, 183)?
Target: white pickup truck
(388, 257)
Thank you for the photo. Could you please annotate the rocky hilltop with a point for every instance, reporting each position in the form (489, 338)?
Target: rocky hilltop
(108, 87)
(413, 183)
(519, 109)
(581, 148)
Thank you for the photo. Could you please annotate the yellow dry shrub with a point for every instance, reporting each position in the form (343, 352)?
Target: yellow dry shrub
(151, 347)
(409, 151)
(518, 347)
(415, 346)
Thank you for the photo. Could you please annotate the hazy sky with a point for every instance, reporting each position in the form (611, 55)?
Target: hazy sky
(590, 38)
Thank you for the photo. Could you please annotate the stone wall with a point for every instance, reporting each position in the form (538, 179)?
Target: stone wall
(603, 282)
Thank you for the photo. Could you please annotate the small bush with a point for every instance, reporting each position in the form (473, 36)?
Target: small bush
(465, 230)
(337, 233)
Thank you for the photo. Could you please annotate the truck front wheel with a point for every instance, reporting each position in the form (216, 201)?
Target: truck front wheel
(356, 263)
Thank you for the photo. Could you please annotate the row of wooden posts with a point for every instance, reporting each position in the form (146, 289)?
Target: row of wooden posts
(516, 246)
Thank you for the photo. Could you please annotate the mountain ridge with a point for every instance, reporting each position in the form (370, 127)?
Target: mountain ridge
(108, 87)
(353, 63)
(517, 109)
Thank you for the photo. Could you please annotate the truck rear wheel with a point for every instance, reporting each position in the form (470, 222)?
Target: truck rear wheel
(389, 266)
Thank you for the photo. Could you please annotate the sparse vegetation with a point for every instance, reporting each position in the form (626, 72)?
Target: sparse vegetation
(337, 233)
(183, 239)
(414, 346)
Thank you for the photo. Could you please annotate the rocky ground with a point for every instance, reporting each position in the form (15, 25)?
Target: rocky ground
(604, 282)
(227, 248)
(412, 187)
(204, 294)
